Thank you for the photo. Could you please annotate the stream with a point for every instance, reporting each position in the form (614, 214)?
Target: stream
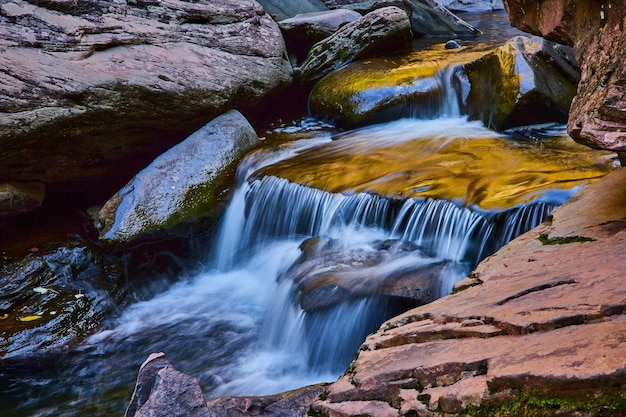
(300, 273)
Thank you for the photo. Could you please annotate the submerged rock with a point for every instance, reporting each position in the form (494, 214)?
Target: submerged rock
(327, 274)
(596, 30)
(525, 81)
(92, 91)
(180, 187)
(380, 32)
(447, 159)
(56, 296)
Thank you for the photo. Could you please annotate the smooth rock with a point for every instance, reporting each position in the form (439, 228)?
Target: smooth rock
(91, 92)
(285, 9)
(380, 32)
(304, 30)
(180, 187)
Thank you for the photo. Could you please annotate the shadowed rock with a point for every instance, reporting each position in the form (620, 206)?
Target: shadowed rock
(596, 31)
(378, 33)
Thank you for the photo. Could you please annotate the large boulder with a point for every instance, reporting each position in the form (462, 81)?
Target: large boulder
(92, 91)
(304, 30)
(596, 30)
(182, 186)
(525, 81)
(380, 32)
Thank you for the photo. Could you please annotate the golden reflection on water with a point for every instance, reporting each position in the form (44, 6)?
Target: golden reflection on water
(468, 164)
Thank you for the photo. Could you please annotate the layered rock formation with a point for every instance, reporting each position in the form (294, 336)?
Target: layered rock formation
(90, 92)
(596, 30)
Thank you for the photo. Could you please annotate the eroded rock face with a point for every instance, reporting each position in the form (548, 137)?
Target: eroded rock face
(94, 90)
(180, 187)
(537, 319)
(595, 29)
(20, 197)
(377, 33)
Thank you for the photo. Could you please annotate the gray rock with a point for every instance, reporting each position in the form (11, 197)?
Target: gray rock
(428, 17)
(92, 91)
(162, 391)
(380, 32)
(182, 185)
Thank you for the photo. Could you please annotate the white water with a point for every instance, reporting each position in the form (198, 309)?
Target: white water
(238, 325)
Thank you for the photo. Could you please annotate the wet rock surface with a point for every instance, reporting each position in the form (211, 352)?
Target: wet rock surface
(544, 315)
(596, 31)
(182, 186)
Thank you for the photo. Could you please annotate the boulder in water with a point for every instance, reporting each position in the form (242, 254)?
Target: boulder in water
(428, 17)
(380, 32)
(180, 187)
(526, 81)
(385, 89)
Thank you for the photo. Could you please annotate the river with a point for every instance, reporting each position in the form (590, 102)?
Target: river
(297, 275)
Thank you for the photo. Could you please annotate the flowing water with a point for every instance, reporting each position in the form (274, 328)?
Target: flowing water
(294, 281)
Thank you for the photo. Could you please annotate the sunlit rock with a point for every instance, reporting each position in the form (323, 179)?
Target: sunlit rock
(449, 159)
(525, 81)
(55, 296)
(380, 32)
(384, 89)
(180, 187)
(17, 198)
